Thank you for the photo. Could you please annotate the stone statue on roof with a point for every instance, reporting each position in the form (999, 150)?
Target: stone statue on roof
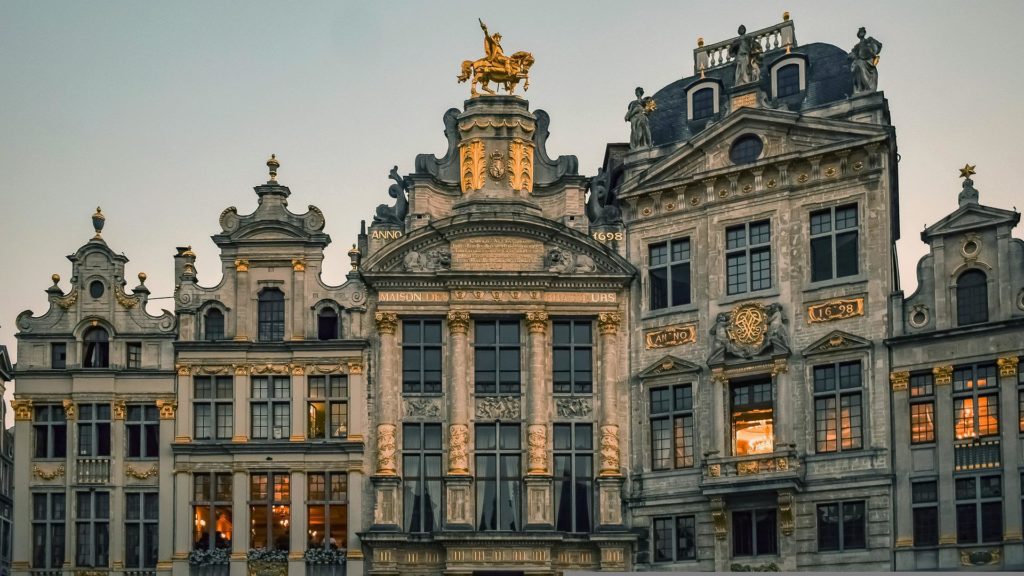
(746, 51)
(636, 115)
(864, 63)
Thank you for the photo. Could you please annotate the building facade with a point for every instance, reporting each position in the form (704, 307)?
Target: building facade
(6, 469)
(94, 418)
(958, 394)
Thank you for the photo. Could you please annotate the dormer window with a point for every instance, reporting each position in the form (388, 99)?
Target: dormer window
(971, 298)
(327, 324)
(271, 315)
(97, 348)
(789, 76)
(702, 100)
(213, 325)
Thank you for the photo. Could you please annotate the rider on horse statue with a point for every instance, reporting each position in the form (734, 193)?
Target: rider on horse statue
(492, 47)
(506, 71)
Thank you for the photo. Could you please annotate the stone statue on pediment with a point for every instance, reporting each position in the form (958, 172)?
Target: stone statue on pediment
(864, 63)
(394, 214)
(746, 52)
(640, 126)
(602, 205)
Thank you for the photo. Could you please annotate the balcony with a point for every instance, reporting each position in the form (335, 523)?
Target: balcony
(92, 471)
(976, 454)
(769, 471)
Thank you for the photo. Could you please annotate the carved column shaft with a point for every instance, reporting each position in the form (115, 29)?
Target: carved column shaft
(608, 324)
(536, 394)
(299, 310)
(242, 300)
(458, 407)
(387, 324)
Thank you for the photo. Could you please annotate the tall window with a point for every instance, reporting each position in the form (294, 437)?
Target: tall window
(499, 485)
(328, 509)
(213, 407)
(674, 539)
(133, 355)
(141, 529)
(754, 533)
(979, 509)
(924, 498)
(841, 526)
(327, 324)
(672, 427)
(975, 402)
(669, 273)
(703, 103)
(271, 315)
(213, 324)
(270, 408)
(572, 356)
(96, 351)
(211, 511)
(574, 476)
(787, 80)
(497, 357)
(143, 430)
(834, 241)
(51, 430)
(748, 257)
(48, 517)
(838, 414)
(1020, 395)
(922, 409)
(421, 471)
(94, 429)
(269, 510)
(327, 406)
(753, 428)
(421, 356)
(58, 355)
(971, 298)
(92, 528)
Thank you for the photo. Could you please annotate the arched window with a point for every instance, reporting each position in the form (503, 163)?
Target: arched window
(746, 149)
(213, 324)
(327, 323)
(787, 80)
(97, 348)
(971, 298)
(703, 103)
(271, 315)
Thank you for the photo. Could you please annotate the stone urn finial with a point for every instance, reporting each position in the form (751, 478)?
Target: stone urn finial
(98, 219)
(273, 165)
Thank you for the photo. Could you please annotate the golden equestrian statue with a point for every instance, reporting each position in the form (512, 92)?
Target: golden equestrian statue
(496, 67)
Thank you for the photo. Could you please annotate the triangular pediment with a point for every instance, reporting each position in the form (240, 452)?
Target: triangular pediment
(669, 366)
(785, 134)
(836, 341)
(970, 217)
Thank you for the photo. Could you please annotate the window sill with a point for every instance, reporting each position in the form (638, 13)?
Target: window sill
(661, 312)
(833, 282)
(766, 293)
(422, 394)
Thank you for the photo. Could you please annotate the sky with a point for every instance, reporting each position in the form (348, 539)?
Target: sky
(164, 113)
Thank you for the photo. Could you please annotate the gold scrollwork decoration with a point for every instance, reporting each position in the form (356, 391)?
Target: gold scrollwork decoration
(70, 409)
(899, 380)
(943, 375)
(126, 301)
(748, 324)
(1008, 365)
(68, 300)
(608, 322)
(132, 472)
(298, 265)
(355, 368)
(120, 410)
(57, 472)
(472, 163)
(22, 409)
(387, 322)
(241, 265)
(167, 408)
(458, 321)
(520, 165)
(537, 321)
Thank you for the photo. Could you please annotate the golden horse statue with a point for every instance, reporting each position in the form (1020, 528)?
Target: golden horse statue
(496, 67)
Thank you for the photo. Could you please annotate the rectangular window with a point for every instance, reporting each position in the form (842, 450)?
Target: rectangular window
(674, 539)
(753, 430)
(269, 510)
(421, 356)
(925, 503)
(672, 427)
(134, 355)
(58, 355)
(572, 358)
(51, 431)
(213, 407)
(574, 477)
(1020, 394)
(838, 414)
(270, 408)
(754, 533)
(922, 409)
(748, 257)
(497, 357)
(92, 528)
(141, 529)
(841, 526)
(669, 273)
(975, 402)
(327, 407)
(211, 511)
(48, 518)
(834, 241)
(327, 504)
(499, 484)
(422, 471)
(979, 509)
(94, 430)
(142, 427)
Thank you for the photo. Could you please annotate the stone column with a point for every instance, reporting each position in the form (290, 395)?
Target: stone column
(299, 413)
(387, 512)
(354, 561)
(242, 299)
(240, 410)
(240, 518)
(22, 471)
(299, 310)
(182, 531)
(118, 413)
(458, 481)
(1013, 539)
(902, 459)
(165, 485)
(297, 527)
(720, 444)
(610, 476)
(538, 473)
(784, 422)
(357, 425)
(949, 557)
(183, 424)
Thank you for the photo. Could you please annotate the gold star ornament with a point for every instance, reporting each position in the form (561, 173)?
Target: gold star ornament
(967, 171)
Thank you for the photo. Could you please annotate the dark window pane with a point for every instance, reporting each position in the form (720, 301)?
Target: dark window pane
(659, 288)
(972, 298)
(703, 103)
(846, 254)
(853, 526)
(746, 149)
(828, 527)
(967, 523)
(743, 533)
(680, 284)
(787, 80)
(926, 526)
(821, 258)
(992, 522)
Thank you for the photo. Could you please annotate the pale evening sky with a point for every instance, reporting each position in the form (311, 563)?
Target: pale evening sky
(164, 113)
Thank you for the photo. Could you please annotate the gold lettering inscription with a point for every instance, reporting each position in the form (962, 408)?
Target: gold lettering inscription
(835, 310)
(386, 234)
(744, 100)
(607, 236)
(413, 297)
(670, 336)
(497, 253)
(580, 297)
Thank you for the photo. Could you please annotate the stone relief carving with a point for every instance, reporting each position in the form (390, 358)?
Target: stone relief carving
(394, 214)
(458, 457)
(422, 408)
(748, 330)
(432, 261)
(386, 446)
(573, 407)
(498, 408)
(564, 261)
(609, 450)
(537, 439)
(602, 205)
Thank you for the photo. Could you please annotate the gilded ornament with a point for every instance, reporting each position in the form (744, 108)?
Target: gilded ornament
(537, 438)
(520, 165)
(241, 265)
(831, 171)
(1008, 365)
(647, 211)
(670, 336)
(387, 322)
(803, 178)
(132, 472)
(723, 193)
(967, 171)
(786, 513)
(298, 370)
(694, 201)
(386, 449)
(537, 321)
(899, 380)
(355, 368)
(22, 409)
(68, 300)
(943, 375)
(505, 71)
(125, 300)
(771, 183)
(747, 188)
(496, 167)
(499, 123)
(120, 410)
(608, 322)
(718, 517)
(167, 408)
(298, 265)
(184, 369)
(609, 450)
(670, 207)
(748, 324)
(839, 309)
(715, 470)
(858, 165)
(70, 410)
(472, 164)
(458, 457)
(241, 369)
(57, 472)
(458, 321)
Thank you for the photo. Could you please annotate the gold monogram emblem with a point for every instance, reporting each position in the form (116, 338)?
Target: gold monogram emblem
(497, 167)
(748, 325)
